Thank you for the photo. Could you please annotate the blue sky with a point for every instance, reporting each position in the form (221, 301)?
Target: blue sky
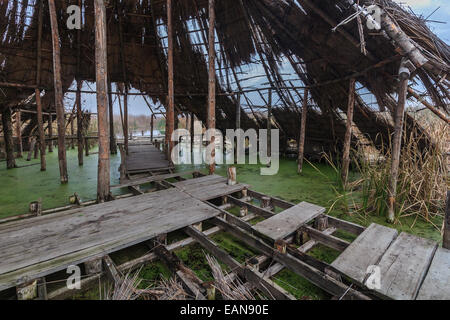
(137, 105)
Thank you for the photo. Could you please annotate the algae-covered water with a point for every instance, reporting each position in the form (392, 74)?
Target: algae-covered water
(19, 187)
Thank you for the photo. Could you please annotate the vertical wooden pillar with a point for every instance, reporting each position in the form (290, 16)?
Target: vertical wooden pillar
(192, 134)
(211, 121)
(269, 125)
(8, 135)
(446, 239)
(72, 131)
(404, 75)
(170, 112)
(79, 123)
(103, 179)
(238, 126)
(112, 136)
(151, 127)
(40, 129)
(19, 134)
(58, 94)
(348, 133)
(126, 134)
(50, 132)
(301, 142)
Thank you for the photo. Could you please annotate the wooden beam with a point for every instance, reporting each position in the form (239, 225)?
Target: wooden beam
(103, 180)
(19, 134)
(326, 239)
(112, 136)
(170, 112)
(8, 136)
(436, 111)
(404, 75)
(50, 132)
(78, 99)
(40, 129)
(348, 133)
(58, 92)
(211, 120)
(301, 143)
(446, 240)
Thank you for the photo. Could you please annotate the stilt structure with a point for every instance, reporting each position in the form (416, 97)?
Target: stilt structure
(211, 121)
(112, 136)
(348, 133)
(50, 132)
(78, 99)
(404, 75)
(8, 135)
(103, 180)
(58, 94)
(192, 135)
(152, 127)
(41, 130)
(170, 112)
(301, 142)
(19, 134)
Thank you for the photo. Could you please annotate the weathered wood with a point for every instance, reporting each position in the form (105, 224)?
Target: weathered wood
(397, 141)
(42, 145)
(28, 249)
(231, 174)
(265, 285)
(8, 136)
(436, 285)
(111, 270)
(326, 239)
(345, 225)
(32, 144)
(348, 132)
(170, 112)
(58, 93)
(211, 113)
(404, 265)
(103, 177)
(19, 134)
(112, 136)
(287, 222)
(365, 251)
(301, 142)
(79, 123)
(50, 133)
(446, 238)
(141, 181)
(93, 266)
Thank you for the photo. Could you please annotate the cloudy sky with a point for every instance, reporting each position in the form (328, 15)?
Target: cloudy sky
(439, 23)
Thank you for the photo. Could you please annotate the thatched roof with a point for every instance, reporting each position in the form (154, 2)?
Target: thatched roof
(266, 31)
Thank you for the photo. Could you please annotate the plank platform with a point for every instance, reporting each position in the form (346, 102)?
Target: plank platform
(287, 222)
(208, 187)
(43, 245)
(437, 281)
(145, 158)
(365, 251)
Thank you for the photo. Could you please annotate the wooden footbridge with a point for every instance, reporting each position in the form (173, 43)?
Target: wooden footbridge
(33, 249)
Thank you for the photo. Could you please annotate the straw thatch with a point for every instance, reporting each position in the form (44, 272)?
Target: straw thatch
(267, 31)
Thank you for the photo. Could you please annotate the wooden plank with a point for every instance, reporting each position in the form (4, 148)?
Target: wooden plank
(140, 181)
(49, 243)
(287, 222)
(404, 266)
(326, 239)
(365, 251)
(436, 285)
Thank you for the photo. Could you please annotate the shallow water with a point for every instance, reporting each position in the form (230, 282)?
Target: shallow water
(19, 187)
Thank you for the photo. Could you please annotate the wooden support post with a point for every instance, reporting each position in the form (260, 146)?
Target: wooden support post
(36, 150)
(8, 136)
(151, 127)
(192, 135)
(31, 144)
(301, 142)
(446, 240)
(269, 126)
(238, 126)
(36, 207)
(79, 124)
(40, 129)
(86, 146)
(103, 178)
(404, 75)
(19, 134)
(72, 132)
(211, 121)
(232, 176)
(50, 133)
(126, 133)
(170, 112)
(112, 136)
(58, 94)
(348, 133)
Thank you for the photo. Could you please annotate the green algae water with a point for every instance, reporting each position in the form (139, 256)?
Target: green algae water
(20, 186)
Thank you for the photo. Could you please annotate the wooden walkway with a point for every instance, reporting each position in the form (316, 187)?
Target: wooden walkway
(143, 158)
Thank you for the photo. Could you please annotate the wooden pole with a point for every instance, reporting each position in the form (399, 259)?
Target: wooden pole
(58, 94)
(41, 129)
(103, 179)
(170, 112)
(79, 123)
(301, 142)
(50, 132)
(126, 134)
(211, 121)
(269, 125)
(19, 134)
(238, 126)
(112, 136)
(404, 75)
(72, 131)
(446, 240)
(348, 133)
(8, 136)
(151, 127)
(192, 135)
